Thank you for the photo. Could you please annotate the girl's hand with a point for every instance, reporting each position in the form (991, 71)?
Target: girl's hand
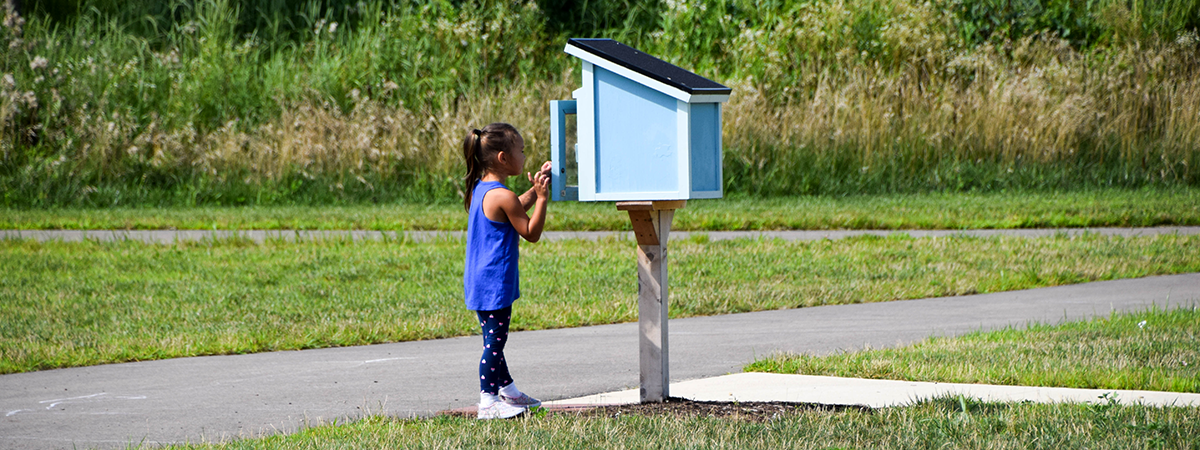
(544, 171)
(541, 184)
(533, 195)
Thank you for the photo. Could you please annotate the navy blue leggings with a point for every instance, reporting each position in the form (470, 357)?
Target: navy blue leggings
(493, 371)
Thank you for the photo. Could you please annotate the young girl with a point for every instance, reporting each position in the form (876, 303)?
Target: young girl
(491, 281)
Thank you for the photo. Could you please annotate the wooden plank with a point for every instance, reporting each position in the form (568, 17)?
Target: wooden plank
(652, 225)
(635, 206)
(651, 205)
(653, 296)
(667, 205)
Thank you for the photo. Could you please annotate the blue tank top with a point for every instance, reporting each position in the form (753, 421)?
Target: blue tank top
(490, 277)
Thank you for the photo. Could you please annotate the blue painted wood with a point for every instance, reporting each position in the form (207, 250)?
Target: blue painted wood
(706, 150)
(645, 131)
(559, 191)
(635, 141)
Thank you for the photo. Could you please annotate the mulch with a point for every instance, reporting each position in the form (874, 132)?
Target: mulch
(681, 407)
(748, 411)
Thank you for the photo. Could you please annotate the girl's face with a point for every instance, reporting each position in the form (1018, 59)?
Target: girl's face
(515, 157)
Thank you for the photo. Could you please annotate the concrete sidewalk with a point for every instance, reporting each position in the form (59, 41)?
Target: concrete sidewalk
(222, 397)
(772, 387)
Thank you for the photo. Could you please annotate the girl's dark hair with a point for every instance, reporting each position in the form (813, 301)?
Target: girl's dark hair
(479, 150)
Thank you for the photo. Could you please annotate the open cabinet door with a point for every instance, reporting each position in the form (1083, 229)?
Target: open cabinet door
(564, 168)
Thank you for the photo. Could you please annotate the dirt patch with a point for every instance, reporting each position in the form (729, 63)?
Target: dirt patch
(681, 407)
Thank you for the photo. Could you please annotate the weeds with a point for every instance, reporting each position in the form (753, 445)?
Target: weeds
(216, 102)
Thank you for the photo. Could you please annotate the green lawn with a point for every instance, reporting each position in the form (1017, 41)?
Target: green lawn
(939, 423)
(1153, 350)
(1112, 207)
(77, 304)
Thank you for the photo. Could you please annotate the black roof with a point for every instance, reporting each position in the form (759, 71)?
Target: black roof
(650, 66)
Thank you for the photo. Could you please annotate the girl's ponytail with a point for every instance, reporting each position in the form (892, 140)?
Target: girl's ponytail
(480, 148)
(471, 146)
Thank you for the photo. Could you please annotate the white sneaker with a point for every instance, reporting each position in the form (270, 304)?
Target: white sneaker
(524, 401)
(499, 410)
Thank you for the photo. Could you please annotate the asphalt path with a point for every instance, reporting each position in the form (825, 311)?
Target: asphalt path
(218, 398)
(168, 236)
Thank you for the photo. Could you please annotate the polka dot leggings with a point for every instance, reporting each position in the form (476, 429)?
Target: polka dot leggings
(493, 371)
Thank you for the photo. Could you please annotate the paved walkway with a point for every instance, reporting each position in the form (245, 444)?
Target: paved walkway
(222, 397)
(167, 236)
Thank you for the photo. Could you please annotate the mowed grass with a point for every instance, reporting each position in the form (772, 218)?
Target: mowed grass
(1112, 207)
(78, 304)
(1155, 350)
(938, 423)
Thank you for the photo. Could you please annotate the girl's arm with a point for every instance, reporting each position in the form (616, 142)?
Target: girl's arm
(503, 203)
(528, 198)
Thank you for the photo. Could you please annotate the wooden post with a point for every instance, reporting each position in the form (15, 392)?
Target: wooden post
(652, 226)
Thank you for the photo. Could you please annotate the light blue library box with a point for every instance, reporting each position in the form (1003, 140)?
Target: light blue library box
(646, 129)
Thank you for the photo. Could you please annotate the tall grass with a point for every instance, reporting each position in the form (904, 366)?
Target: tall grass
(199, 114)
(907, 107)
(235, 102)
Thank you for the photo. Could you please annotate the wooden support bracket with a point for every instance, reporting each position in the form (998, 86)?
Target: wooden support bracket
(645, 225)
